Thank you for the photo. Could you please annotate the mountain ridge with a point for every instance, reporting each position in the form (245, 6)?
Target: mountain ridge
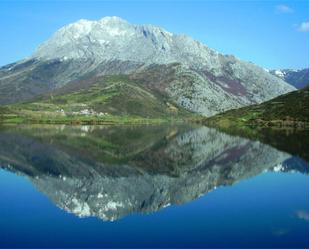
(297, 78)
(205, 82)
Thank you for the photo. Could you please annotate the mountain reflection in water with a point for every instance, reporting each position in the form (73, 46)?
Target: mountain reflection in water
(111, 172)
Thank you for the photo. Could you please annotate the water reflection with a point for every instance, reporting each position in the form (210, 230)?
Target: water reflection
(110, 172)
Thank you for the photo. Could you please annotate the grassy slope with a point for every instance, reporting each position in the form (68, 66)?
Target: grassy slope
(289, 110)
(120, 99)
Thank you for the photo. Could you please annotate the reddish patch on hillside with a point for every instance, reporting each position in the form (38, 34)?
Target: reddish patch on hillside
(229, 85)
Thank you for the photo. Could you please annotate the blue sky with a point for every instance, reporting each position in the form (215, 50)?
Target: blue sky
(273, 34)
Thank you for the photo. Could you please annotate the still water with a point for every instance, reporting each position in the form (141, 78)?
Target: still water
(152, 186)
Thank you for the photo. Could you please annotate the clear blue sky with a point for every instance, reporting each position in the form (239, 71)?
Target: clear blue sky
(273, 34)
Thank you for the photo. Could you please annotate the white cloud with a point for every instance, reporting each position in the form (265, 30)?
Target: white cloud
(284, 9)
(303, 27)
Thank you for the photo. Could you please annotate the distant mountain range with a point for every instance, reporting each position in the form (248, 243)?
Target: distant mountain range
(155, 69)
(297, 78)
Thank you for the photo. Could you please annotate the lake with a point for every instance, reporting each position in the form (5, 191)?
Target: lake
(152, 186)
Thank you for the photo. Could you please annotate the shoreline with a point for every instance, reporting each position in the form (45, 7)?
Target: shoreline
(14, 119)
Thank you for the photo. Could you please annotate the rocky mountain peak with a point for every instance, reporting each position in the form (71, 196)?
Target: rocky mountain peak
(113, 38)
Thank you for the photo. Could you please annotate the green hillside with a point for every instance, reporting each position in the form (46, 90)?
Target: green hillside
(107, 99)
(289, 110)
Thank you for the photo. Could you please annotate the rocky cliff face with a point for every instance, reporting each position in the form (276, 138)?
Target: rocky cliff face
(113, 180)
(204, 81)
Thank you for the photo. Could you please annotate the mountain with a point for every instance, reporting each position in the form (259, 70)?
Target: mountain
(297, 78)
(188, 74)
(288, 110)
(111, 172)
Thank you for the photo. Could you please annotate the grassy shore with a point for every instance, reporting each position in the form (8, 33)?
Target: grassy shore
(10, 115)
(39, 118)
